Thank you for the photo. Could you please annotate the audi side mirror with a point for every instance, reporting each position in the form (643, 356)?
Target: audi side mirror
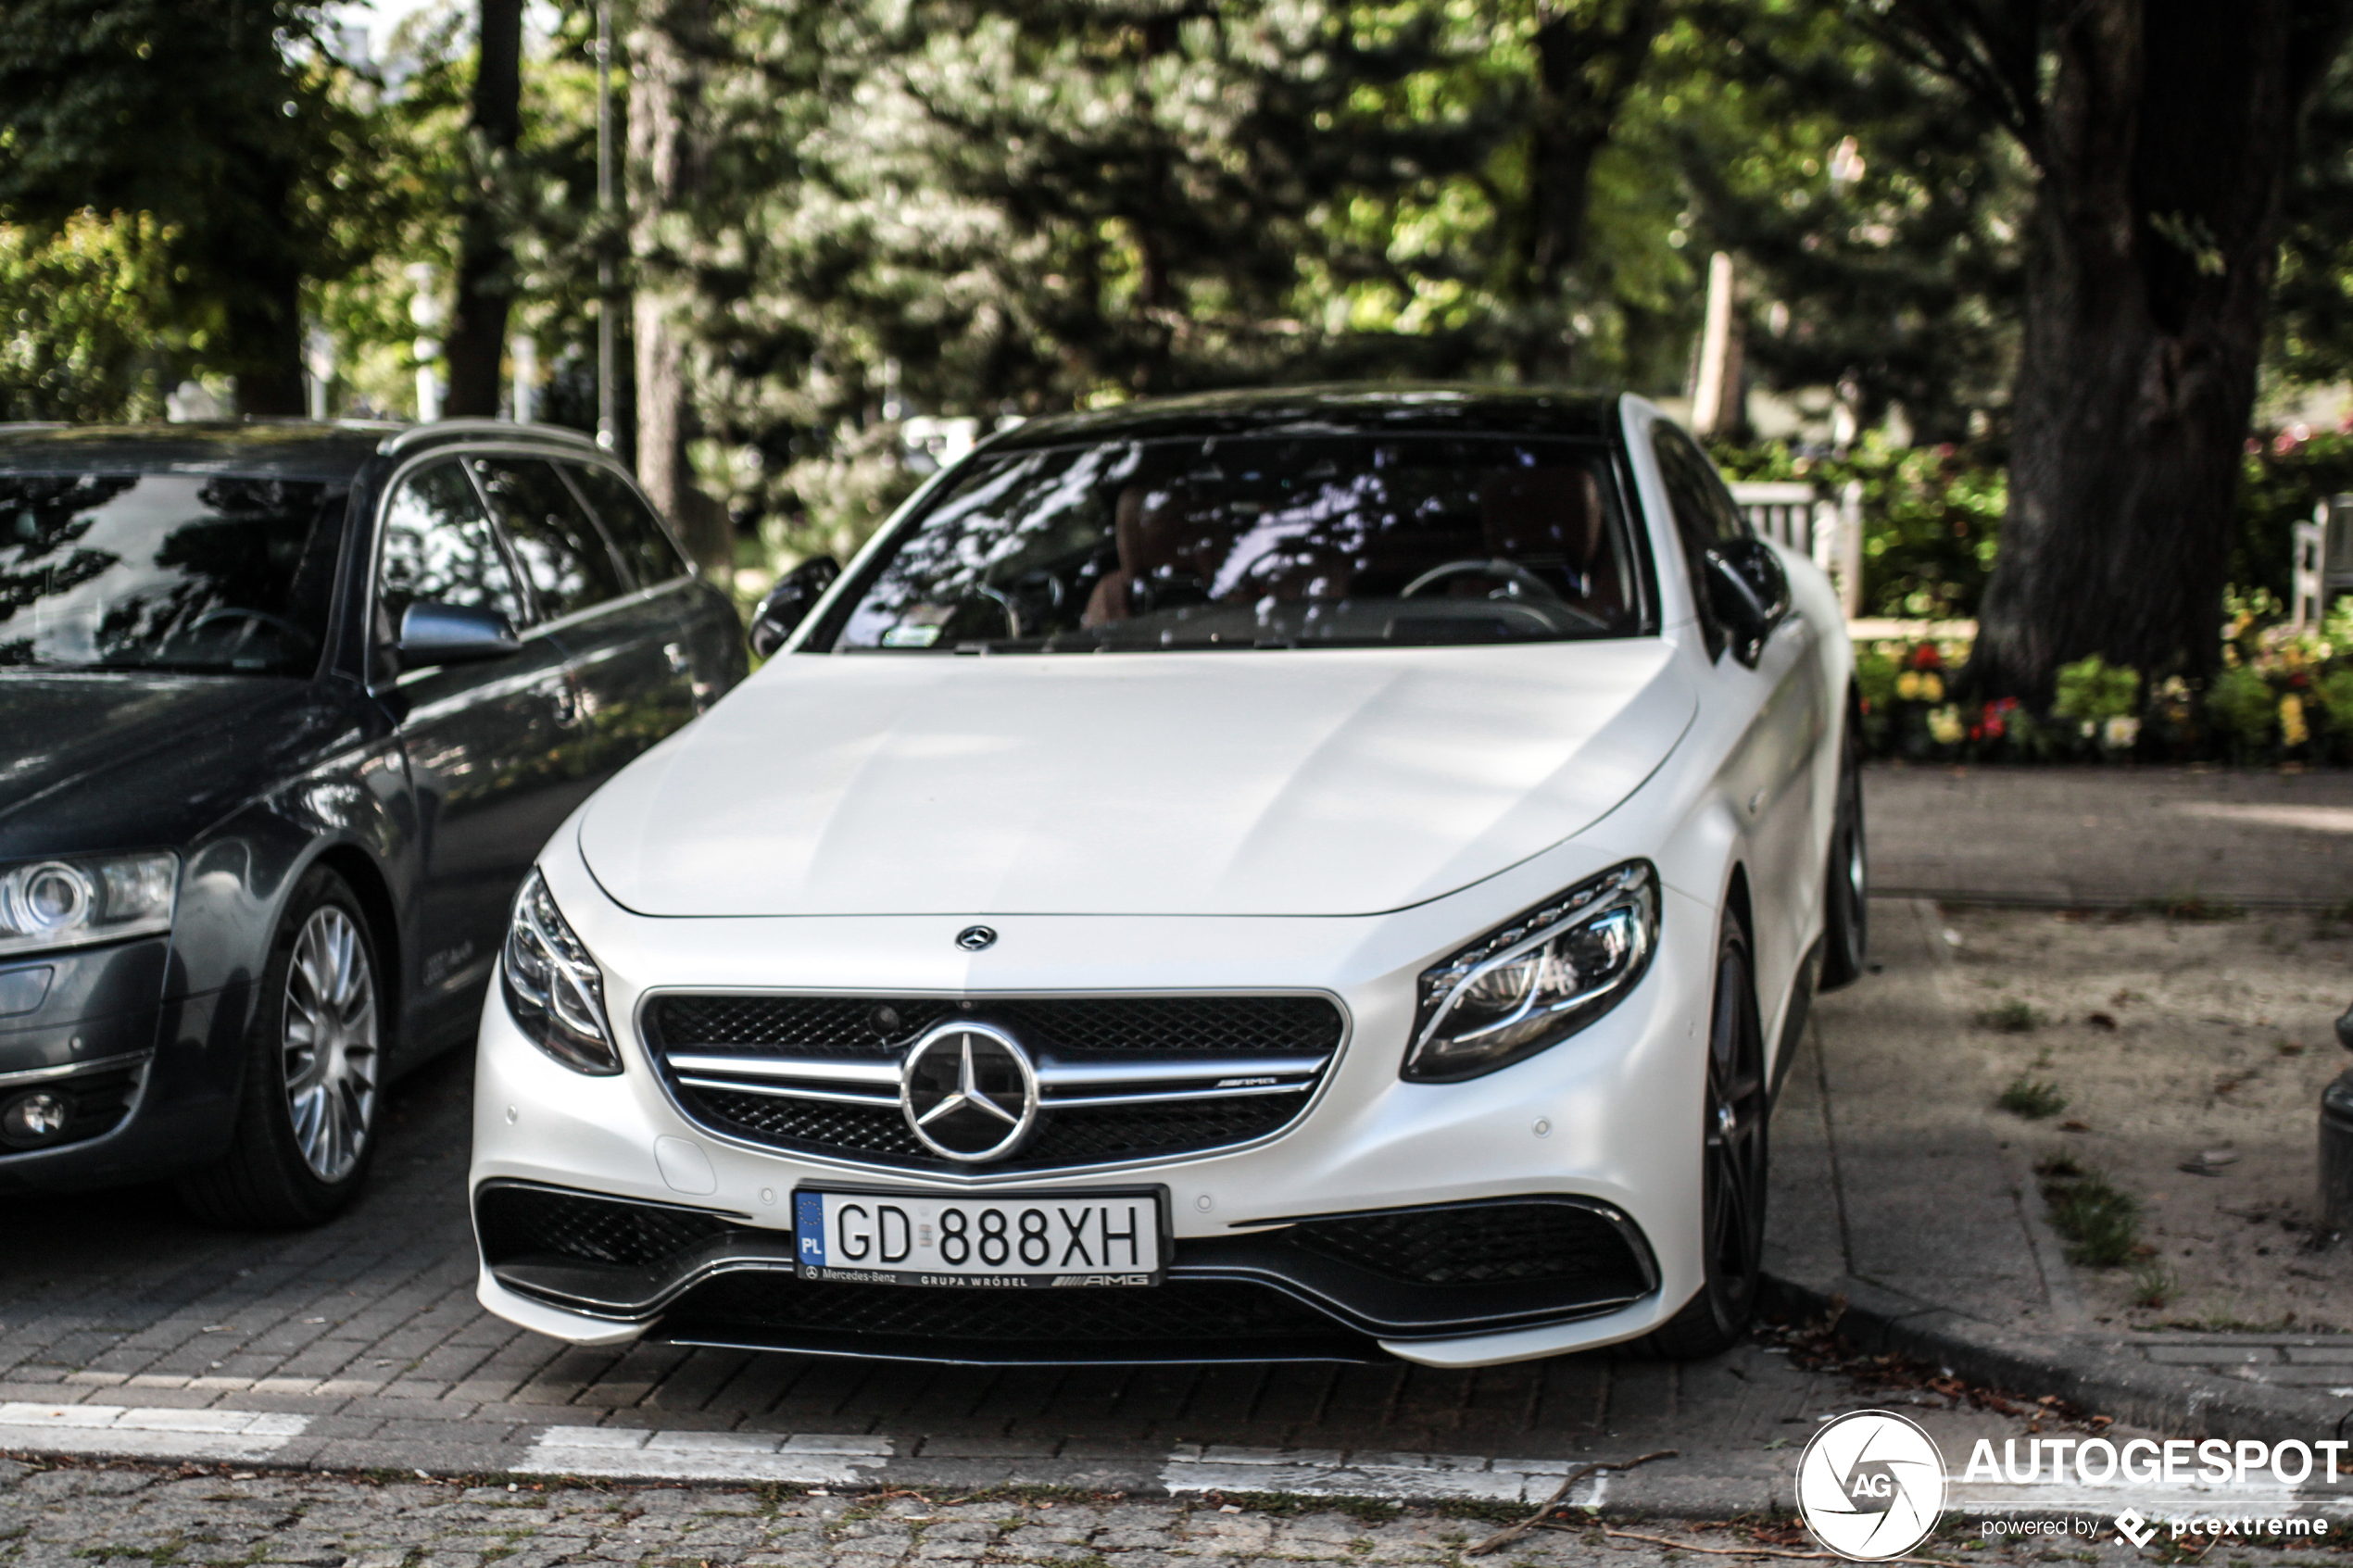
(789, 602)
(1748, 589)
(435, 633)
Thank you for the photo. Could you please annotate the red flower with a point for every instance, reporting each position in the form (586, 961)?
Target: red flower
(1924, 656)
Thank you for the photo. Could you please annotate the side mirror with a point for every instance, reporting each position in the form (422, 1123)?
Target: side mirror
(438, 633)
(2345, 1030)
(1749, 591)
(789, 603)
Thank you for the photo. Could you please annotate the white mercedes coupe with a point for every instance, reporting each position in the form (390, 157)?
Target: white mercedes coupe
(1287, 875)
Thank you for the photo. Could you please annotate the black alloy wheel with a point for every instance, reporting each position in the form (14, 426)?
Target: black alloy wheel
(1847, 892)
(1732, 1168)
(307, 1113)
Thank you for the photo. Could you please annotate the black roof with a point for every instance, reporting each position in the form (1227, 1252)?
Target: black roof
(285, 448)
(1358, 409)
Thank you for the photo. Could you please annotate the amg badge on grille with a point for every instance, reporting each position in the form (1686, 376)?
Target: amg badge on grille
(969, 1091)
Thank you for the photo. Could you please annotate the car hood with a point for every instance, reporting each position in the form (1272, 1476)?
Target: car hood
(91, 762)
(1294, 783)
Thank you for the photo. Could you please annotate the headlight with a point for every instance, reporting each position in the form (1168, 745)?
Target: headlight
(66, 903)
(1538, 980)
(554, 989)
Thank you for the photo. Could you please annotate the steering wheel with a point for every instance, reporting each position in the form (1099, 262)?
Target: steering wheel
(231, 613)
(1525, 587)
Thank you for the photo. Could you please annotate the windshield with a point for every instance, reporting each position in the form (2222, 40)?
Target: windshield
(1317, 541)
(204, 573)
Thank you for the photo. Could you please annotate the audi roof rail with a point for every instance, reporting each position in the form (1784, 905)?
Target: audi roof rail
(417, 436)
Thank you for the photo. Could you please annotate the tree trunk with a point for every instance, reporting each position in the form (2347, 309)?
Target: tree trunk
(1586, 62)
(2166, 134)
(486, 276)
(264, 323)
(665, 178)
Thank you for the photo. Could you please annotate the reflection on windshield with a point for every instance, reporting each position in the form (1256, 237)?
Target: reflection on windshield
(1284, 542)
(206, 573)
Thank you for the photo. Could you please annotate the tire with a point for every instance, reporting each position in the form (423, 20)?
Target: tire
(1846, 891)
(1733, 1163)
(306, 1115)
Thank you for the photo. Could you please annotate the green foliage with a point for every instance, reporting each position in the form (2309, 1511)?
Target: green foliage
(1931, 518)
(2031, 1098)
(85, 315)
(2015, 1016)
(230, 122)
(2243, 707)
(2090, 691)
(2099, 1222)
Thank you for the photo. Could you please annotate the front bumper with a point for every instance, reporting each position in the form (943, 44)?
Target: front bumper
(1607, 1122)
(1319, 1288)
(150, 1086)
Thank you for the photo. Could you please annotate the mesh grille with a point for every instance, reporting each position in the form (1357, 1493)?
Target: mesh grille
(880, 1028)
(1071, 1029)
(1190, 1311)
(1487, 1244)
(517, 1222)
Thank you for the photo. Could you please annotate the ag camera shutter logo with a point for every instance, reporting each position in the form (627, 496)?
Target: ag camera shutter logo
(1870, 1486)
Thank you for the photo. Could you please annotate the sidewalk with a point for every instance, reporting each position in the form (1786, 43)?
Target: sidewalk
(1897, 1189)
(2116, 836)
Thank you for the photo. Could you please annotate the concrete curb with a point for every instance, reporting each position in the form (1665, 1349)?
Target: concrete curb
(2100, 1375)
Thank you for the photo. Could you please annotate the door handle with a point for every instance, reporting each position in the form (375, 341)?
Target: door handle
(679, 663)
(567, 705)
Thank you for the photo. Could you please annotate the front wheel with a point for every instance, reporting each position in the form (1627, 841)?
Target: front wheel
(307, 1116)
(1732, 1166)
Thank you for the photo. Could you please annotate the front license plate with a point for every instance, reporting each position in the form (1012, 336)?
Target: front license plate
(1009, 1240)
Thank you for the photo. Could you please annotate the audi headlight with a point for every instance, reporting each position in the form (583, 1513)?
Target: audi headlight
(554, 989)
(1534, 982)
(71, 901)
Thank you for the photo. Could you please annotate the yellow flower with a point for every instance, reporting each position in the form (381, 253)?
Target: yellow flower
(1945, 724)
(1907, 686)
(2292, 728)
(1931, 687)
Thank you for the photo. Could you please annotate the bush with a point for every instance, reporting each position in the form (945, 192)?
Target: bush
(1931, 518)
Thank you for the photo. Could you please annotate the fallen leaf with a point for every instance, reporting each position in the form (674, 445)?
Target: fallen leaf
(2100, 1019)
(2072, 1125)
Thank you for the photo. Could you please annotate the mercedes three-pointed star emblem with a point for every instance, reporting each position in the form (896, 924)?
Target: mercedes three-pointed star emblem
(969, 1091)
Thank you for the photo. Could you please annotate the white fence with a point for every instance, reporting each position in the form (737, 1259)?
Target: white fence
(1810, 519)
(2324, 564)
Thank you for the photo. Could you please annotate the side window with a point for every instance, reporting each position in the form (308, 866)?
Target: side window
(562, 555)
(1704, 515)
(630, 523)
(438, 546)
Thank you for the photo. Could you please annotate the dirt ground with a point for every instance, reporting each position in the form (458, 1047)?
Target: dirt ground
(2176, 1042)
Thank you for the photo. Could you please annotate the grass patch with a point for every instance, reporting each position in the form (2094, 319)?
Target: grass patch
(2034, 1099)
(2153, 1285)
(2099, 1222)
(2194, 906)
(2013, 1017)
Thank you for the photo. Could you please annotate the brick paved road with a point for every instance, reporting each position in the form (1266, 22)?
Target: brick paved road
(69, 1517)
(369, 1332)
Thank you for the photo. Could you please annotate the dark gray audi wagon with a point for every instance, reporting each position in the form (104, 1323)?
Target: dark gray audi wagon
(285, 711)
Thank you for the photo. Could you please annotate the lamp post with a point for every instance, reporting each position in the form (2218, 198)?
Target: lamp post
(427, 311)
(607, 336)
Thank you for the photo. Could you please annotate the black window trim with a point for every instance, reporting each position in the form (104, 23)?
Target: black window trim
(841, 598)
(630, 587)
(686, 567)
(535, 624)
